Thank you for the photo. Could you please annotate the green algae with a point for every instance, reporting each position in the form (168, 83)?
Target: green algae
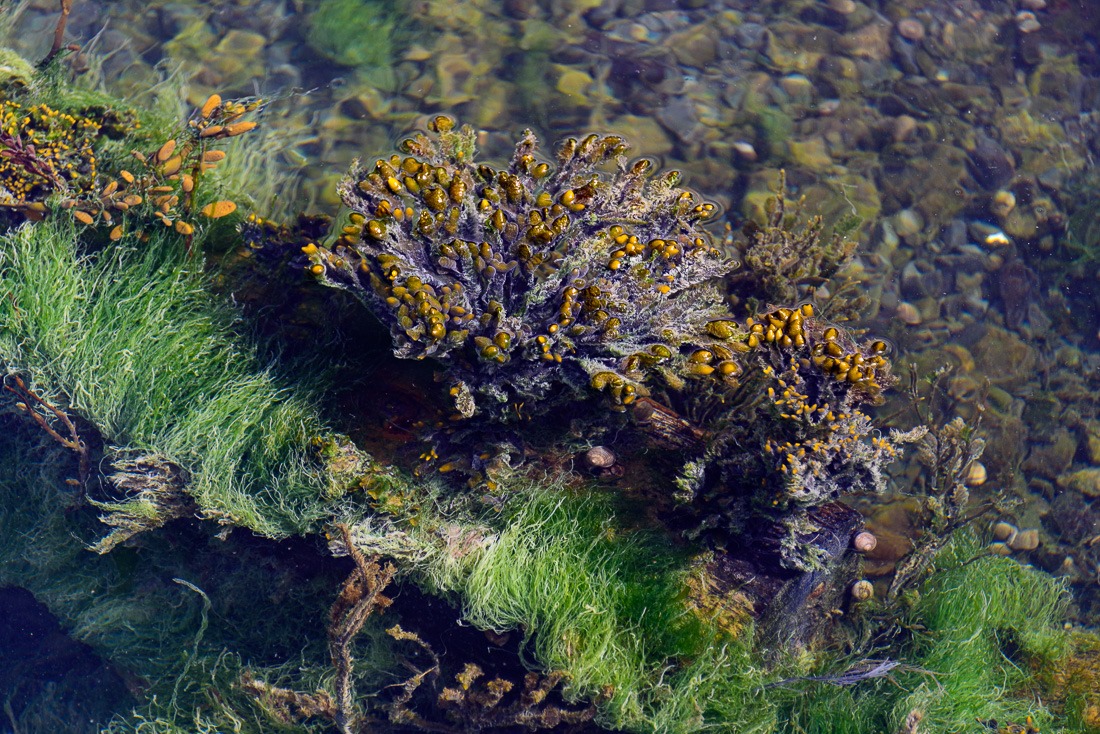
(977, 626)
(353, 32)
(605, 603)
(985, 616)
(132, 341)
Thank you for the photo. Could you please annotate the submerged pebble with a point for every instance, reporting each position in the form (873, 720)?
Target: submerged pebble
(1025, 540)
(1004, 531)
(1026, 22)
(911, 29)
(909, 314)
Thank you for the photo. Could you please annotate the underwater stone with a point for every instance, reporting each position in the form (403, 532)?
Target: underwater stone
(909, 314)
(991, 165)
(798, 88)
(911, 29)
(1074, 517)
(1026, 22)
(811, 153)
(1025, 540)
(908, 223)
(904, 127)
(574, 84)
(872, 41)
(1085, 481)
(1004, 531)
(696, 47)
(1092, 442)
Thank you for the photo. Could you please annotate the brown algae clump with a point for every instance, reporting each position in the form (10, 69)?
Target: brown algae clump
(535, 282)
(165, 184)
(42, 151)
(541, 285)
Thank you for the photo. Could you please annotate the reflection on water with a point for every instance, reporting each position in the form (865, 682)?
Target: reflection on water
(962, 134)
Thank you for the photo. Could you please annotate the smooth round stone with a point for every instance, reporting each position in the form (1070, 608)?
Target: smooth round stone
(1027, 22)
(1025, 540)
(908, 314)
(1004, 531)
(844, 7)
(911, 29)
(904, 127)
(907, 223)
(1002, 204)
(745, 150)
(797, 87)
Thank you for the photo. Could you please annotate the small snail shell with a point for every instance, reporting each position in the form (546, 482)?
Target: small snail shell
(599, 457)
(976, 475)
(864, 541)
(1025, 540)
(861, 590)
(1005, 531)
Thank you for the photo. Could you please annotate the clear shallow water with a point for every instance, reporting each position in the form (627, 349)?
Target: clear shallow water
(963, 134)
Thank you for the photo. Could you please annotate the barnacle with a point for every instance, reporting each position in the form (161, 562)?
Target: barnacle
(535, 282)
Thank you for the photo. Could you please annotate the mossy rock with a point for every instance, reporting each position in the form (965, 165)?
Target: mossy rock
(352, 32)
(15, 71)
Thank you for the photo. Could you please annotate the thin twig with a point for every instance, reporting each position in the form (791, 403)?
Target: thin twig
(360, 596)
(58, 33)
(27, 398)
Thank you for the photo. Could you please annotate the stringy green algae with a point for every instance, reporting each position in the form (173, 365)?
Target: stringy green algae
(605, 603)
(977, 627)
(131, 340)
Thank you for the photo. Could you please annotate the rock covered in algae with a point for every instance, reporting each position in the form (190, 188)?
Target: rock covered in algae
(537, 281)
(15, 71)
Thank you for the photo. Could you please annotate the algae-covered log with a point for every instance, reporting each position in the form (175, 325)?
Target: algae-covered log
(179, 614)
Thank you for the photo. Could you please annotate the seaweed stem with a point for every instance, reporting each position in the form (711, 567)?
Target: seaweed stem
(58, 33)
(360, 596)
(27, 397)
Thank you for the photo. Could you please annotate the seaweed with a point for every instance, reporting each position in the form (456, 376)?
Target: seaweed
(588, 287)
(129, 340)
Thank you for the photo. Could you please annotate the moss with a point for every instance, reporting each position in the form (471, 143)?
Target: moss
(136, 346)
